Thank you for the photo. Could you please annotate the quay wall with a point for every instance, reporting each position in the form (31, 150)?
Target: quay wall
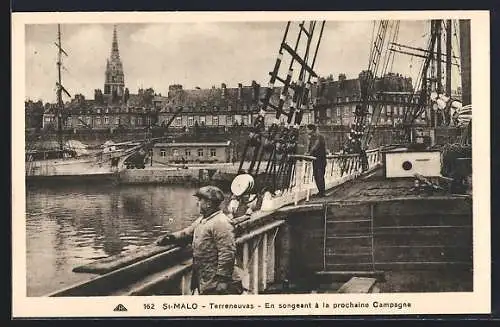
(218, 174)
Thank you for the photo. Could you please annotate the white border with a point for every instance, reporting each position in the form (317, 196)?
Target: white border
(477, 301)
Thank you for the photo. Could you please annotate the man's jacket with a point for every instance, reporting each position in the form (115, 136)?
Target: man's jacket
(214, 249)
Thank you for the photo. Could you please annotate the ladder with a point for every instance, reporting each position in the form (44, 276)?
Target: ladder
(348, 240)
(275, 143)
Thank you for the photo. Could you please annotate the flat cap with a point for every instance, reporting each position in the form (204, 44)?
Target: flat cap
(211, 193)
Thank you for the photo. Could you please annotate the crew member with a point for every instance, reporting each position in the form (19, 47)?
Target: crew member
(317, 148)
(213, 244)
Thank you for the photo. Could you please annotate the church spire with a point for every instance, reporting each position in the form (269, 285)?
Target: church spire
(115, 53)
(114, 83)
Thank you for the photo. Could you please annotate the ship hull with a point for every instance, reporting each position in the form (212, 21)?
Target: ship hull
(70, 171)
(101, 178)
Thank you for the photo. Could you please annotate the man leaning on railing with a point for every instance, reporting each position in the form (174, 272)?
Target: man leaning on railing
(214, 246)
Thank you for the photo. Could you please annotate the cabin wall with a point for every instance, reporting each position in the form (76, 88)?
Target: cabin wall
(393, 235)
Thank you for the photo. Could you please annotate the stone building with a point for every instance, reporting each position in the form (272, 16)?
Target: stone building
(199, 152)
(223, 106)
(335, 101)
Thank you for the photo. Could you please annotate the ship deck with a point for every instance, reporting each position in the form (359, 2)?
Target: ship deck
(375, 187)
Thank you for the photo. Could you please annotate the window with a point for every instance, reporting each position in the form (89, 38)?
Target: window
(188, 152)
(176, 153)
(163, 153)
(139, 121)
(98, 121)
(346, 99)
(106, 120)
(213, 153)
(178, 121)
(132, 120)
(88, 121)
(190, 121)
(200, 152)
(338, 111)
(117, 120)
(215, 121)
(229, 120)
(339, 99)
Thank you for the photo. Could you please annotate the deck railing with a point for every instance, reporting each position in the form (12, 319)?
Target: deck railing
(261, 240)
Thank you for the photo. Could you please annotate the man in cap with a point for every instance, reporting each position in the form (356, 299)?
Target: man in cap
(317, 148)
(213, 244)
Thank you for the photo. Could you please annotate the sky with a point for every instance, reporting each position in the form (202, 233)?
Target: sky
(195, 54)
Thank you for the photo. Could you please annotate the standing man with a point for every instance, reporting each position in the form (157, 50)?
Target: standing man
(213, 244)
(317, 148)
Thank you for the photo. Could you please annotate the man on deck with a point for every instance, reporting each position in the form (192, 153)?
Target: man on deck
(213, 244)
(317, 148)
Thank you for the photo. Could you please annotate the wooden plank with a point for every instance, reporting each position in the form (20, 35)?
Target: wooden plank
(358, 285)
(423, 220)
(346, 244)
(343, 276)
(362, 266)
(349, 228)
(348, 211)
(347, 249)
(126, 258)
(348, 259)
(424, 206)
(424, 265)
(415, 254)
(430, 236)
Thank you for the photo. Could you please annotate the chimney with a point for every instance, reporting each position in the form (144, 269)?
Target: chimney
(240, 90)
(256, 91)
(223, 88)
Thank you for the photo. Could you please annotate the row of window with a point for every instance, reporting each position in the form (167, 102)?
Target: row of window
(209, 120)
(348, 110)
(384, 97)
(187, 152)
(106, 121)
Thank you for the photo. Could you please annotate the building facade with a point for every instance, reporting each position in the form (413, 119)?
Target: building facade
(336, 101)
(213, 152)
(219, 106)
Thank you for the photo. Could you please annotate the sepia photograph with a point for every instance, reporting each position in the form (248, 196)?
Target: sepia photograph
(236, 155)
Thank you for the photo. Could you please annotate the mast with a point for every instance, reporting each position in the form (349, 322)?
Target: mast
(60, 89)
(448, 57)
(438, 58)
(465, 63)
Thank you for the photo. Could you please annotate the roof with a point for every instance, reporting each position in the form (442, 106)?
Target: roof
(192, 144)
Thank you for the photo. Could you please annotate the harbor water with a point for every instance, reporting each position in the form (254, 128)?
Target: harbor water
(71, 225)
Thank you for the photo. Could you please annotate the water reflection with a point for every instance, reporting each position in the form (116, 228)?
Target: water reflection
(72, 225)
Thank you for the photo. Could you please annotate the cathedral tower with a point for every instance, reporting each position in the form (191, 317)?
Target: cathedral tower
(114, 83)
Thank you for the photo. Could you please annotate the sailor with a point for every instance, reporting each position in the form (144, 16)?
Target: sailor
(213, 244)
(317, 148)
